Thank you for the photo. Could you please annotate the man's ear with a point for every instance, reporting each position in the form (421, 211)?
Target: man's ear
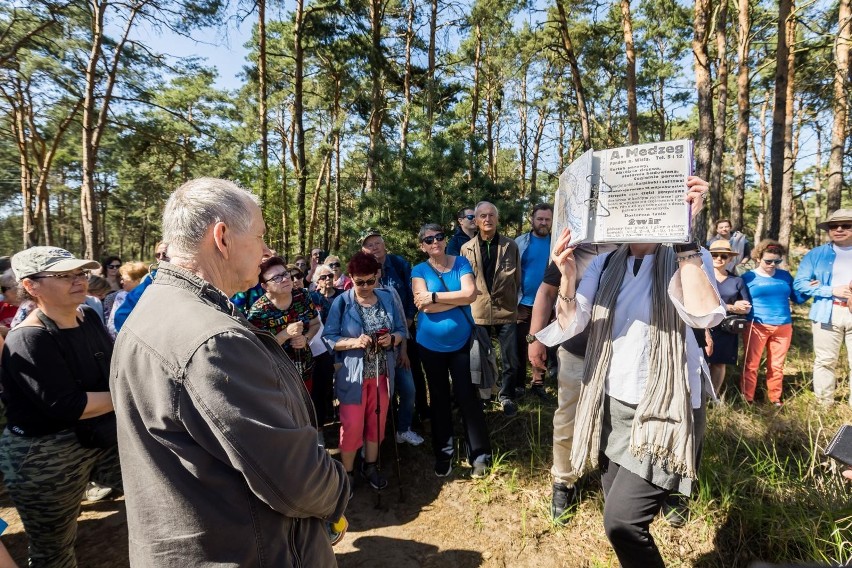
(222, 238)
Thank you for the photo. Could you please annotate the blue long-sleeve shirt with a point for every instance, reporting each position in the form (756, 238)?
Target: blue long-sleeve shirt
(818, 265)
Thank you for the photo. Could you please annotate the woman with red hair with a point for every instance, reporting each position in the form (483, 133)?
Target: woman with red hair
(363, 329)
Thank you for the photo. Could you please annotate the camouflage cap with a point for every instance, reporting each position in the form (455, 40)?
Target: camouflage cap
(370, 232)
(47, 259)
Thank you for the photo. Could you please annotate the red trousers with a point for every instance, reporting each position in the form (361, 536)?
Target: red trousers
(776, 339)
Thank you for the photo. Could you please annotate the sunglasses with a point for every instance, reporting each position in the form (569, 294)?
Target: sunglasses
(844, 226)
(776, 262)
(721, 255)
(324, 277)
(159, 256)
(114, 266)
(470, 217)
(432, 238)
(367, 282)
(334, 265)
(64, 276)
(278, 278)
(297, 276)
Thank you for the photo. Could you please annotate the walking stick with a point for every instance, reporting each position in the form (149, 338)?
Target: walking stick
(396, 451)
(378, 418)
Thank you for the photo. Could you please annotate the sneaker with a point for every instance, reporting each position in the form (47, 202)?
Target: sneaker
(778, 404)
(675, 511)
(481, 466)
(409, 437)
(509, 407)
(373, 477)
(444, 466)
(96, 492)
(539, 391)
(563, 498)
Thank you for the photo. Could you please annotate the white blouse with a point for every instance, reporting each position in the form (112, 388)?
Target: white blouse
(631, 329)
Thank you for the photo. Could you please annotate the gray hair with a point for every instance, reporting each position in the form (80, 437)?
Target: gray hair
(485, 204)
(200, 203)
(322, 269)
(429, 227)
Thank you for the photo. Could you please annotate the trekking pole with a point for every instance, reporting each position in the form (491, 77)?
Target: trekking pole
(378, 464)
(396, 450)
(745, 359)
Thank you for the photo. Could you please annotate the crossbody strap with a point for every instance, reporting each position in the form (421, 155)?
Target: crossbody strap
(444, 285)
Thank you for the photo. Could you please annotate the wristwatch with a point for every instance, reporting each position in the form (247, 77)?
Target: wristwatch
(531, 338)
(686, 247)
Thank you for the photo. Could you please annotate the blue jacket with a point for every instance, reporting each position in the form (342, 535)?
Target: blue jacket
(344, 322)
(131, 300)
(396, 273)
(817, 265)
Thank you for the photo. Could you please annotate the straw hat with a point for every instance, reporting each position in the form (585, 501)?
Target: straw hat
(839, 215)
(722, 245)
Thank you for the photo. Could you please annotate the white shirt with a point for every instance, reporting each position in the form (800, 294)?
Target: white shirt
(631, 329)
(841, 270)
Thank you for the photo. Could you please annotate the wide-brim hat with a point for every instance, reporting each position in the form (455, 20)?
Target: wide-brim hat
(722, 245)
(47, 259)
(839, 215)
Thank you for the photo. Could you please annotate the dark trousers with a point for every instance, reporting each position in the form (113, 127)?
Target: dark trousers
(631, 503)
(322, 392)
(421, 394)
(507, 338)
(439, 366)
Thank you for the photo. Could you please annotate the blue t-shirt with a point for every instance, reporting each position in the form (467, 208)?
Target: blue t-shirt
(533, 263)
(449, 330)
(770, 297)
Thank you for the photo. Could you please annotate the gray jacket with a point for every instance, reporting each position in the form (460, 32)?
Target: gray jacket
(217, 437)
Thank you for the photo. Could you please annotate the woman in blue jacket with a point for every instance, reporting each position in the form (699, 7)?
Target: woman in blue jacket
(363, 328)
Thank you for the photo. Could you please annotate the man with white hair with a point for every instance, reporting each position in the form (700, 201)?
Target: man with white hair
(217, 434)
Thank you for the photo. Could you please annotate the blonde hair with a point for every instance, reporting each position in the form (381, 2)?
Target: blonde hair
(133, 270)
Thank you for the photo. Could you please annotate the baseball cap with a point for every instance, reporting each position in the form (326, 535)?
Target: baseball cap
(47, 259)
(367, 234)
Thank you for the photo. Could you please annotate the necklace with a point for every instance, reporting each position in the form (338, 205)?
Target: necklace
(438, 266)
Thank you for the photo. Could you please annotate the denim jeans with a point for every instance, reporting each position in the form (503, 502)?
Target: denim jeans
(507, 338)
(404, 385)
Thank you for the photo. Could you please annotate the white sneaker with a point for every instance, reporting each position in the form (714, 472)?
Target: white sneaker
(96, 491)
(409, 437)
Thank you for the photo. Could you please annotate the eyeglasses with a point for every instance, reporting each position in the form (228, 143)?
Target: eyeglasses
(324, 277)
(367, 282)
(432, 238)
(278, 278)
(114, 266)
(470, 217)
(844, 226)
(776, 262)
(334, 265)
(721, 255)
(63, 276)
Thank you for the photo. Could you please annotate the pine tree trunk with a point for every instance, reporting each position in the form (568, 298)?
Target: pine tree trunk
(300, 165)
(842, 46)
(261, 105)
(576, 76)
(539, 132)
(630, 53)
(376, 98)
(721, 114)
(523, 144)
(432, 61)
(406, 87)
(779, 117)
(743, 113)
(785, 229)
(474, 107)
(704, 145)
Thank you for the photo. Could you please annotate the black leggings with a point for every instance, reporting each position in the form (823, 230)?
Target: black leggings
(439, 366)
(321, 393)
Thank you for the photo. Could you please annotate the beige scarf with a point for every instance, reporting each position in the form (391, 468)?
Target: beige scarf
(662, 426)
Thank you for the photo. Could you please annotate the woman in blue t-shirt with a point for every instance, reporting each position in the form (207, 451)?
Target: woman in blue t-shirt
(443, 289)
(771, 290)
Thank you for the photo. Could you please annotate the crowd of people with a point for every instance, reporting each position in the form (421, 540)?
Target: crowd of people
(200, 385)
